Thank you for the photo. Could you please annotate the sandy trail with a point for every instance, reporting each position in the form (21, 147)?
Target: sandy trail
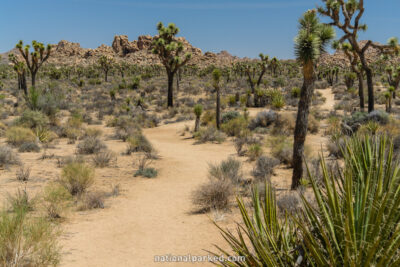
(154, 216)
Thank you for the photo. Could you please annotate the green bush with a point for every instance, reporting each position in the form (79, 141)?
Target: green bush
(77, 177)
(146, 172)
(228, 116)
(18, 135)
(296, 92)
(254, 151)
(26, 241)
(138, 143)
(32, 119)
(210, 134)
(234, 127)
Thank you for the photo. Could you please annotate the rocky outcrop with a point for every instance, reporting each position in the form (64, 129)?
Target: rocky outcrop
(132, 52)
(122, 46)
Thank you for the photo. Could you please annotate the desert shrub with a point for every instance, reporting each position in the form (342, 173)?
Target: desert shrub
(263, 119)
(62, 161)
(295, 92)
(147, 172)
(336, 146)
(210, 134)
(18, 135)
(213, 195)
(27, 241)
(92, 200)
(282, 149)
(29, 147)
(104, 158)
(32, 119)
(138, 143)
(313, 124)
(254, 151)
(90, 145)
(289, 203)
(92, 132)
(234, 127)
(239, 144)
(23, 174)
(8, 157)
(229, 169)
(21, 201)
(208, 118)
(56, 199)
(285, 124)
(264, 168)
(77, 177)
(378, 116)
(277, 100)
(228, 116)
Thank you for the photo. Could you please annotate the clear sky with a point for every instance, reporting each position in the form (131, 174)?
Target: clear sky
(242, 27)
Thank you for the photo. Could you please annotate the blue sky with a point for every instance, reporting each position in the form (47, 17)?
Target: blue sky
(244, 28)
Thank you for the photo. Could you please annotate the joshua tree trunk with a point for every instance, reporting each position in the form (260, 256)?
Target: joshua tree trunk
(33, 78)
(300, 131)
(197, 124)
(170, 89)
(370, 85)
(23, 84)
(361, 89)
(106, 76)
(218, 117)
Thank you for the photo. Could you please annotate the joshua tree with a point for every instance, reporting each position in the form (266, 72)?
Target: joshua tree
(274, 64)
(198, 110)
(106, 64)
(346, 16)
(349, 78)
(19, 68)
(251, 72)
(393, 75)
(356, 67)
(35, 59)
(216, 80)
(169, 49)
(388, 96)
(310, 42)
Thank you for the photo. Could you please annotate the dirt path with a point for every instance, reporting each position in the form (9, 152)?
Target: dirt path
(153, 217)
(330, 99)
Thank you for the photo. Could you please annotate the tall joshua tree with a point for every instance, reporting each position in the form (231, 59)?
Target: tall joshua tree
(346, 15)
(35, 59)
(106, 64)
(251, 72)
(356, 67)
(310, 42)
(169, 50)
(20, 69)
(216, 75)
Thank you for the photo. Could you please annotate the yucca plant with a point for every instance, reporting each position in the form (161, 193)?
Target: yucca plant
(353, 222)
(271, 241)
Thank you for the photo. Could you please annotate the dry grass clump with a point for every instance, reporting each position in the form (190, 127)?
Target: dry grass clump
(210, 134)
(90, 145)
(138, 143)
(92, 200)
(217, 192)
(214, 195)
(264, 168)
(27, 241)
(23, 174)
(56, 198)
(17, 136)
(8, 157)
(104, 158)
(77, 177)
